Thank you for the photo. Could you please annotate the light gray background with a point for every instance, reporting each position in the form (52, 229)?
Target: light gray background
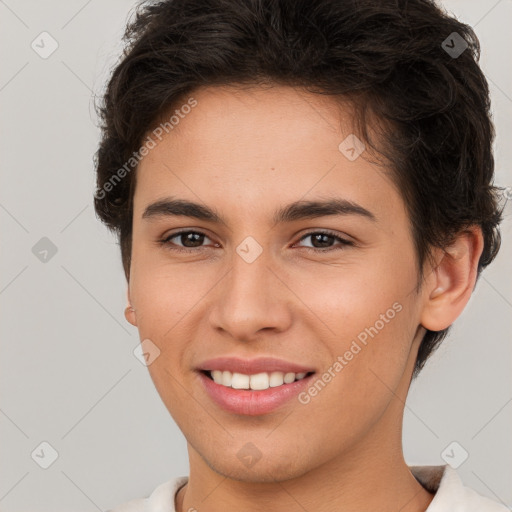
(68, 373)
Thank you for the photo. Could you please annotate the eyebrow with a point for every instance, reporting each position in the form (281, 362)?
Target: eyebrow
(297, 210)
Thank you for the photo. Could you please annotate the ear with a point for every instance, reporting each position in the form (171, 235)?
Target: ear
(451, 283)
(129, 312)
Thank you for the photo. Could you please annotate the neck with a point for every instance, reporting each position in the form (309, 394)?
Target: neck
(383, 490)
(372, 476)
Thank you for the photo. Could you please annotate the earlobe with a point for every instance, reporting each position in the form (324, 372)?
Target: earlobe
(129, 312)
(452, 281)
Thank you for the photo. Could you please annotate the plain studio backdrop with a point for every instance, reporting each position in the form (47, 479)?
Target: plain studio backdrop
(72, 388)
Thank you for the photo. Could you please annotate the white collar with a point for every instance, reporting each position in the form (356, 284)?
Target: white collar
(450, 494)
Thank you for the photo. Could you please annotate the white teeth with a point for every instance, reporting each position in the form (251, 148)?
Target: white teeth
(240, 381)
(226, 378)
(289, 378)
(276, 379)
(217, 376)
(257, 382)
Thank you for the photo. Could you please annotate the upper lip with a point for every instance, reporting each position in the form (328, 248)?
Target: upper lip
(253, 366)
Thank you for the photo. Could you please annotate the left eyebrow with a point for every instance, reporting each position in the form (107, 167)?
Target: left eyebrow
(295, 211)
(313, 209)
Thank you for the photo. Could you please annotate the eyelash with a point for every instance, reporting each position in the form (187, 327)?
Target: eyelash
(169, 245)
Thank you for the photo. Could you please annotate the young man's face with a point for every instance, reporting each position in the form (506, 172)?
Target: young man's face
(347, 311)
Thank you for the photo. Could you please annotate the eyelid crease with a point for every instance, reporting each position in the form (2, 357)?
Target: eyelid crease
(165, 241)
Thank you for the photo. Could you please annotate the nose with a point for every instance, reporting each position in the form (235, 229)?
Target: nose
(252, 298)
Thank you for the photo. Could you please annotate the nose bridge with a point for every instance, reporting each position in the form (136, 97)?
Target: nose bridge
(248, 282)
(250, 298)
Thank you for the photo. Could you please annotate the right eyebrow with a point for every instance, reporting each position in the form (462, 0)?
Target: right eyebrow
(295, 211)
(180, 207)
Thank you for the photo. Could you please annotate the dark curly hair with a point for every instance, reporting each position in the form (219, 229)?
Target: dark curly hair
(398, 62)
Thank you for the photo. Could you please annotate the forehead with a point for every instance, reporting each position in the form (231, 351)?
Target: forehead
(257, 145)
(263, 117)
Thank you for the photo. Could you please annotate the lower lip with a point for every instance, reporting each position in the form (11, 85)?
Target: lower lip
(252, 403)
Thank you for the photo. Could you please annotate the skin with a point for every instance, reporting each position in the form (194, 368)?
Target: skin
(246, 153)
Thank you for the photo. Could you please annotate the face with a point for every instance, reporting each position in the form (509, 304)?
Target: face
(329, 289)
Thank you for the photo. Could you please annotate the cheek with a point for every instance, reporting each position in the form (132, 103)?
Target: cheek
(367, 364)
(371, 313)
(163, 292)
(358, 295)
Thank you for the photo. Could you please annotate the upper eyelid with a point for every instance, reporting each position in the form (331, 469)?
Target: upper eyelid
(312, 231)
(184, 231)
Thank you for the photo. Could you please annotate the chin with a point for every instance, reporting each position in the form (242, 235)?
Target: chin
(268, 469)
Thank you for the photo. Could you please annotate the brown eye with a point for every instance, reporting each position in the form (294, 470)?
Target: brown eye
(185, 240)
(324, 240)
(191, 239)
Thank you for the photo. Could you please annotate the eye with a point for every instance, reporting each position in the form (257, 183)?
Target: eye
(321, 241)
(191, 241)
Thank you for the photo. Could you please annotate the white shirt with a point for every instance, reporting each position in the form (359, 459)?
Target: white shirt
(451, 495)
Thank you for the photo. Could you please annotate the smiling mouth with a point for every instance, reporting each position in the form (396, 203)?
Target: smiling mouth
(255, 382)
